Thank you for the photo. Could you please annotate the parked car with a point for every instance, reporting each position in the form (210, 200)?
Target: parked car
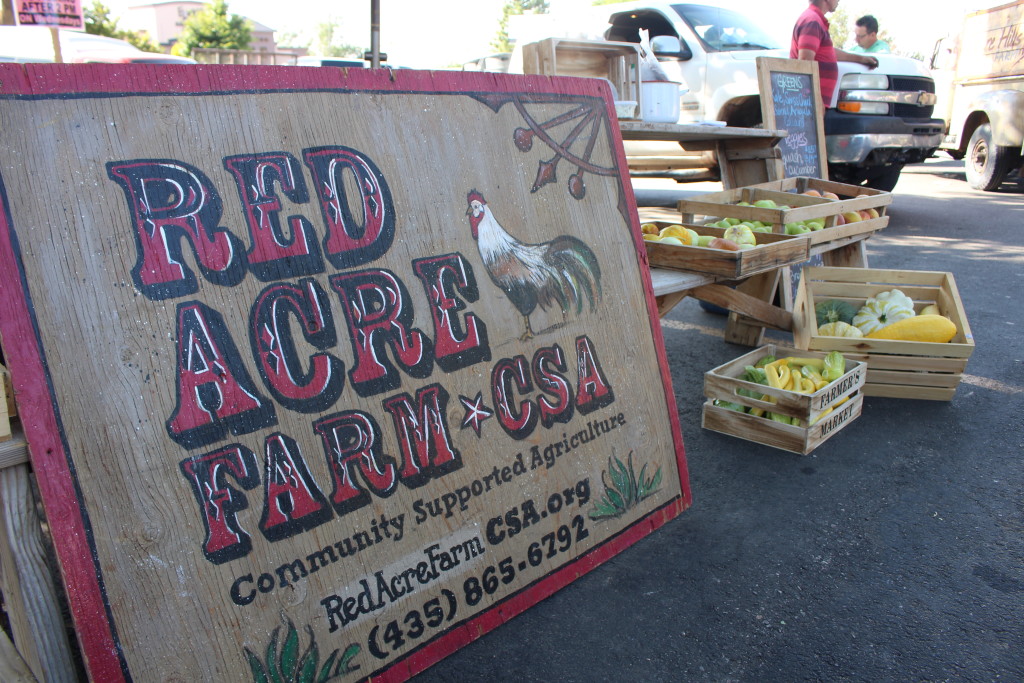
(35, 44)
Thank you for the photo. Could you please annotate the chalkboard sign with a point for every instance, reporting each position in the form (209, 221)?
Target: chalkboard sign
(791, 101)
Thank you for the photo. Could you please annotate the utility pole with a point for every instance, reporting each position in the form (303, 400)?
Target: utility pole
(374, 54)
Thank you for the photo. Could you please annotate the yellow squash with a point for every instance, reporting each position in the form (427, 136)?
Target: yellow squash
(924, 328)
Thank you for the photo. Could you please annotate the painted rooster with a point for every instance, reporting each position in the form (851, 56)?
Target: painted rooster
(563, 271)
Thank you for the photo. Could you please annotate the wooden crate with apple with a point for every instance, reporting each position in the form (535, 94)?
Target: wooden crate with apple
(896, 368)
(835, 213)
(771, 251)
(820, 414)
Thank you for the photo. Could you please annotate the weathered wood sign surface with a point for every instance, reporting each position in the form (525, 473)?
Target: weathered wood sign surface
(325, 371)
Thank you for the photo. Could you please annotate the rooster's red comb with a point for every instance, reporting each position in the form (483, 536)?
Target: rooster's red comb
(475, 196)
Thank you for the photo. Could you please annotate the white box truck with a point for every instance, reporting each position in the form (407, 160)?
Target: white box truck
(981, 94)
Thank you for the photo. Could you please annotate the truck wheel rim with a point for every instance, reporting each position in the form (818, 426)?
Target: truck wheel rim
(979, 157)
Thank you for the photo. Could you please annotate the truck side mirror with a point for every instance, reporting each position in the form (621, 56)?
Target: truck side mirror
(670, 47)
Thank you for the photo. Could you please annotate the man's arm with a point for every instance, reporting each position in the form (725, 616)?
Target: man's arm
(844, 56)
(805, 54)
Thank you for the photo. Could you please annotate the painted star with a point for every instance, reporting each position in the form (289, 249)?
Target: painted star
(476, 412)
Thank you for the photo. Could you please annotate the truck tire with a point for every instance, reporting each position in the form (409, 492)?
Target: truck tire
(885, 178)
(987, 164)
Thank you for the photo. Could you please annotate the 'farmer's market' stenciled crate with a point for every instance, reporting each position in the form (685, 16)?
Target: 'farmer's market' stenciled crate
(821, 414)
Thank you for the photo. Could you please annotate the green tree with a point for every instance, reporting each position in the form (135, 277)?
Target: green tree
(839, 23)
(212, 26)
(326, 44)
(501, 42)
(99, 23)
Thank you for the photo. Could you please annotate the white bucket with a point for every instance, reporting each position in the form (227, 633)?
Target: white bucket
(660, 101)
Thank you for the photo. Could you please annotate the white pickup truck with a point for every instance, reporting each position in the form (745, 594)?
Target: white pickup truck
(878, 120)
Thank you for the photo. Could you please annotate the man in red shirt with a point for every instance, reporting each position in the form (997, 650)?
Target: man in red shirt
(811, 41)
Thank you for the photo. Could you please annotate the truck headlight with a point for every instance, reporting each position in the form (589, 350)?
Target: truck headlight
(863, 107)
(864, 82)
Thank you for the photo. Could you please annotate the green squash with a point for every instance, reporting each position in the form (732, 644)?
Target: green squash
(834, 311)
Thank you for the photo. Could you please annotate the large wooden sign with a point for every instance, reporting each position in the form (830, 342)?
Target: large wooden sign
(322, 370)
(791, 101)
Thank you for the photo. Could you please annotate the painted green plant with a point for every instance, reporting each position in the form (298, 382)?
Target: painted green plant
(287, 665)
(623, 488)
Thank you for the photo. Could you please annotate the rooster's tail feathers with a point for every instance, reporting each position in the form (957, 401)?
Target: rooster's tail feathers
(578, 274)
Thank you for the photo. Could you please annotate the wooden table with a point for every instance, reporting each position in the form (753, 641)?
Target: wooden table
(746, 156)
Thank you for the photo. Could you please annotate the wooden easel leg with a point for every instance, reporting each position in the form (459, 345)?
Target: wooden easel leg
(761, 287)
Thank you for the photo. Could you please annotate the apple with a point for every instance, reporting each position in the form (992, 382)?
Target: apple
(815, 223)
(864, 215)
(649, 229)
(693, 235)
(830, 195)
(873, 213)
(672, 240)
(852, 217)
(732, 221)
(704, 240)
(651, 238)
(840, 220)
(812, 193)
(796, 229)
(766, 204)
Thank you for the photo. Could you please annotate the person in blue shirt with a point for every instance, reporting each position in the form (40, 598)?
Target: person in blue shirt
(866, 35)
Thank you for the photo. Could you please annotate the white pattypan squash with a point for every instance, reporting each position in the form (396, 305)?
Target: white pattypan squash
(883, 309)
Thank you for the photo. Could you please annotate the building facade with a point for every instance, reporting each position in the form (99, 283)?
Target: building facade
(164, 21)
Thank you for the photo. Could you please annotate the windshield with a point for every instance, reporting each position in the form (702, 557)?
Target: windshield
(726, 30)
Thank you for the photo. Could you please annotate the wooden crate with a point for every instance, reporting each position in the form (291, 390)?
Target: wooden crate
(772, 251)
(619, 63)
(722, 383)
(896, 369)
(802, 207)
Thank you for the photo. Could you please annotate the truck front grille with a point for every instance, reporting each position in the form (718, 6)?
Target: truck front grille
(911, 84)
(912, 111)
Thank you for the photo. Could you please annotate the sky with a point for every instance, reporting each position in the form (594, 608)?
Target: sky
(444, 33)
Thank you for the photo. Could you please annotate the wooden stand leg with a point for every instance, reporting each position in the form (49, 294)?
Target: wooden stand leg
(27, 582)
(666, 302)
(851, 256)
(761, 287)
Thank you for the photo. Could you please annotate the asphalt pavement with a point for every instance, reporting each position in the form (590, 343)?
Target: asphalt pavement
(894, 552)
